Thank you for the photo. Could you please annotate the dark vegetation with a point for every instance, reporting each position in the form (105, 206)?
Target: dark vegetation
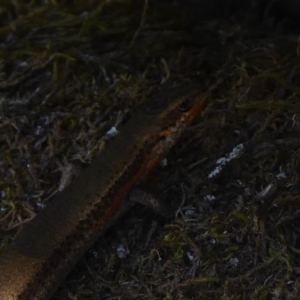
(69, 70)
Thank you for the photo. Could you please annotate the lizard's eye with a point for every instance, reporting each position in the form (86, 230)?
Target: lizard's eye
(184, 106)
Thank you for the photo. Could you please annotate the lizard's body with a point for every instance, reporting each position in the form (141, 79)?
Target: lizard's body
(44, 252)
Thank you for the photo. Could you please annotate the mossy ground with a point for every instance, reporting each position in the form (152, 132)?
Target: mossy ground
(70, 70)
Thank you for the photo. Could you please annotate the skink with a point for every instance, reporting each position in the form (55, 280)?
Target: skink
(34, 265)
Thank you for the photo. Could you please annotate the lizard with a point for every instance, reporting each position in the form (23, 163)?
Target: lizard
(42, 254)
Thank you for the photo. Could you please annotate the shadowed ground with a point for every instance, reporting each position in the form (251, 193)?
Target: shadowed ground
(68, 73)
